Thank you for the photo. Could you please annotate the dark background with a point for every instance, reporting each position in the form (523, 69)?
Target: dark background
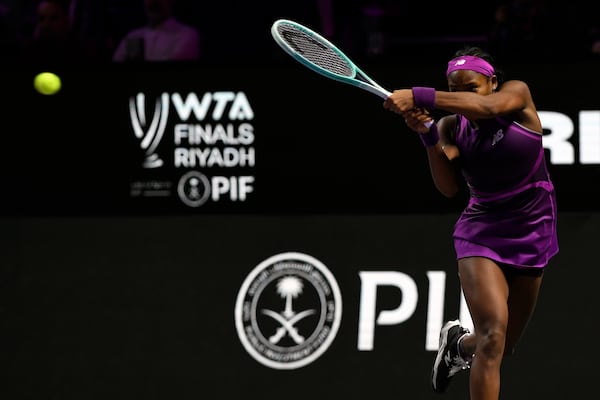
(107, 296)
(142, 307)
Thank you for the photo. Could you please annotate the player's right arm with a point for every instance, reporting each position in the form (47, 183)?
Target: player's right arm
(441, 156)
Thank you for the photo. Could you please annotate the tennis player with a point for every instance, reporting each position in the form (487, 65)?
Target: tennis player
(506, 234)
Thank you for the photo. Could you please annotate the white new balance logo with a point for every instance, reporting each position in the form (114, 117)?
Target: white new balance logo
(448, 359)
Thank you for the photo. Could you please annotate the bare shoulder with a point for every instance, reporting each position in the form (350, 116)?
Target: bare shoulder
(515, 85)
(515, 96)
(526, 114)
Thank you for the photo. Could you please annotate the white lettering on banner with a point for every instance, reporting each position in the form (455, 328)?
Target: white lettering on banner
(211, 134)
(237, 187)
(367, 320)
(214, 157)
(589, 139)
(435, 307)
(368, 295)
(464, 315)
(239, 107)
(213, 130)
(561, 128)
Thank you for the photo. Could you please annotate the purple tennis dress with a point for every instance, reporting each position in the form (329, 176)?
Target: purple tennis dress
(511, 215)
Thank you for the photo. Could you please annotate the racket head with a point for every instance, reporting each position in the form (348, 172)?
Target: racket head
(313, 50)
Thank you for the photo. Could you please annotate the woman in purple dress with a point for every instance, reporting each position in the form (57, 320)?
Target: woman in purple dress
(506, 235)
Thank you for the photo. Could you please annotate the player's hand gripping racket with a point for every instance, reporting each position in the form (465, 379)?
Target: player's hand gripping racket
(322, 56)
(319, 54)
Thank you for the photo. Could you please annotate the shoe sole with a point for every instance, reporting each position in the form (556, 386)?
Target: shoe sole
(440, 354)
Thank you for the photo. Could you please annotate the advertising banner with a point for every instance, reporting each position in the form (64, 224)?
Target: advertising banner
(184, 138)
(267, 306)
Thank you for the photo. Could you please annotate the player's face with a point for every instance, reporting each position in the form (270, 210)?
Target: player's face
(471, 81)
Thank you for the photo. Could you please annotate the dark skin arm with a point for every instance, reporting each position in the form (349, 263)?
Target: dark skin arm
(440, 156)
(513, 99)
(473, 96)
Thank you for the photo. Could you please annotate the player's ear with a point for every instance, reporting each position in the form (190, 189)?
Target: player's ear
(494, 82)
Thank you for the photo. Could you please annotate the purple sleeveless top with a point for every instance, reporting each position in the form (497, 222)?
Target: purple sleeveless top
(511, 215)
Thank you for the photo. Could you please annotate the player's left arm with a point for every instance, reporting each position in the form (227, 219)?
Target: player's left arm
(513, 98)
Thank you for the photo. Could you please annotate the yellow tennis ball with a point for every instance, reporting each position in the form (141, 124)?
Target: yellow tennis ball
(47, 83)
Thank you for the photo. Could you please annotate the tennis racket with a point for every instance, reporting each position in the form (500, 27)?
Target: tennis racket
(319, 54)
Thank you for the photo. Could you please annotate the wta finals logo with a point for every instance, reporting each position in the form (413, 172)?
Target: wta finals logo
(148, 132)
(288, 311)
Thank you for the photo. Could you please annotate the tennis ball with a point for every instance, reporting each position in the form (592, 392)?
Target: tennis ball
(47, 83)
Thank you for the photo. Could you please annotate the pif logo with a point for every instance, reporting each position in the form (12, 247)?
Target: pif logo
(195, 188)
(288, 311)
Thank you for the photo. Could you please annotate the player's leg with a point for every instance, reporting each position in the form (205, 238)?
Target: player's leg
(522, 299)
(486, 292)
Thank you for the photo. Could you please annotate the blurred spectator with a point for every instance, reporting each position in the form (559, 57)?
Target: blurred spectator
(595, 47)
(163, 38)
(502, 35)
(94, 22)
(18, 19)
(592, 38)
(534, 29)
(8, 37)
(52, 41)
(348, 29)
(512, 31)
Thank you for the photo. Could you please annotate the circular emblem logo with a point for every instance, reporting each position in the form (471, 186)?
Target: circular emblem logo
(288, 311)
(193, 189)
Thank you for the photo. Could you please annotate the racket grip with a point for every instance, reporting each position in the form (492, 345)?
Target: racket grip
(432, 136)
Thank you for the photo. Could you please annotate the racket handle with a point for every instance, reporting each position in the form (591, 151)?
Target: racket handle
(432, 136)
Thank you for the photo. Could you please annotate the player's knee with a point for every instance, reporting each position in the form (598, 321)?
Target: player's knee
(491, 344)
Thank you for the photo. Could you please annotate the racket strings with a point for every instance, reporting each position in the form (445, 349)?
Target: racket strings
(315, 51)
